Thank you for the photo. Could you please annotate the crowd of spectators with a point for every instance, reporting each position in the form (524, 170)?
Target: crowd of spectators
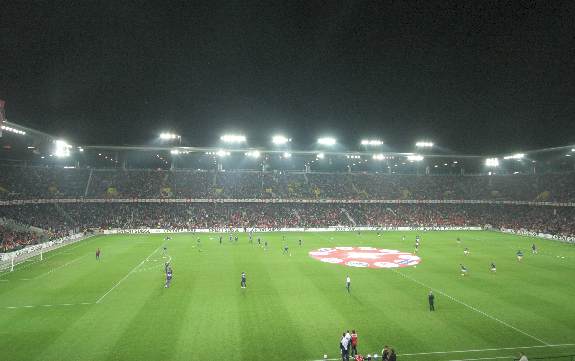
(63, 219)
(12, 239)
(37, 182)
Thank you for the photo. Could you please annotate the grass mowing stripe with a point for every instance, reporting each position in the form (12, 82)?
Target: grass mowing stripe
(471, 307)
(126, 276)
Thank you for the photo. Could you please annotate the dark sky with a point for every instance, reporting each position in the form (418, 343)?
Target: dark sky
(474, 76)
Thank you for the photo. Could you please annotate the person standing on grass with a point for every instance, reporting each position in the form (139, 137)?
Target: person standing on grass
(431, 299)
(533, 248)
(522, 357)
(353, 343)
(220, 239)
(392, 355)
(243, 283)
(348, 284)
(493, 268)
(385, 353)
(343, 346)
(98, 254)
(168, 277)
(519, 255)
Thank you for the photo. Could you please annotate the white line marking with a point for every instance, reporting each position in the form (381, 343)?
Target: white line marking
(126, 276)
(56, 305)
(470, 351)
(57, 268)
(486, 349)
(485, 358)
(471, 307)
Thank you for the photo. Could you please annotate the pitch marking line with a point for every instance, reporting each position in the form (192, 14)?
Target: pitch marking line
(471, 351)
(128, 275)
(56, 305)
(472, 308)
(76, 245)
(59, 267)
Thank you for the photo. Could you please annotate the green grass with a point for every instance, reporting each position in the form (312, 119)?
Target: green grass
(294, 307)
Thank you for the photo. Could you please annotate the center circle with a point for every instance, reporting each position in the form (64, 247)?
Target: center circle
(365, 257)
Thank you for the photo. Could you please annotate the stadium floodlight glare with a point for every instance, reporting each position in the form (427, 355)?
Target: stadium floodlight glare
(515, 156)
(233, 138)
(280, 140)
(492, 162)
(320, 155)
(13, 130)
(378, 157)
(168, 136)
(222, 153)
(424, 144)
(174, 151)
(326, 141)
(415, 158)
(253, 154)
(371, 142)
(62, 149)
(287, 155)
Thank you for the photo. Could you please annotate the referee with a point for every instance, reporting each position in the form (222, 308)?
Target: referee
(431, 299)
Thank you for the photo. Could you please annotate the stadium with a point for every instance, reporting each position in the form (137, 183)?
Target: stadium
(256, 245)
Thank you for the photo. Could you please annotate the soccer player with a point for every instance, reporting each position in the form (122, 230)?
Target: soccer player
(463, 270)
(533, 248)
(251, 238)
(98, 254)
(166, 266)
(431, 299)
(416, 247)
(231, 237)
(199, 244)
(259, 242)
(466, 251)
(168, 277)
(220, 239)
(243, 283)
(265, 245)
(403, 238)
(286, 249)
(353, 343)
(458, 240)
(348, 284)
(300, 242)
(519, 255)
(236, 238)
(378, 234)
(165, 251)
(493, 268)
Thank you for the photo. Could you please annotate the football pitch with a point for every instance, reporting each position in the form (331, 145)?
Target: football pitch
(69, 306)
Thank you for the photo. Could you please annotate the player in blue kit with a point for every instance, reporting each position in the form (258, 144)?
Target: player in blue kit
(168, 277)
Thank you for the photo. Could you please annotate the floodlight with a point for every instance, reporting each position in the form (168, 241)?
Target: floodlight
(253, 154)
(222, 153)
(233, 138)
(320, 155)
(424, 144)
(573, 149)
(378, 157)
(371, 142)
(168, 136)
(174, 151)
(492, 162)
(515, 156)
(13, 130)
(62, 149)
(415, 158)
(280, 140)
(326, 141)
(287, 155)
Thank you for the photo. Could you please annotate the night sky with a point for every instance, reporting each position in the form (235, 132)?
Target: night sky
(474, 76)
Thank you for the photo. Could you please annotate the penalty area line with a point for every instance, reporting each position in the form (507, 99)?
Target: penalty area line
(126, 276)
(472, 308)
